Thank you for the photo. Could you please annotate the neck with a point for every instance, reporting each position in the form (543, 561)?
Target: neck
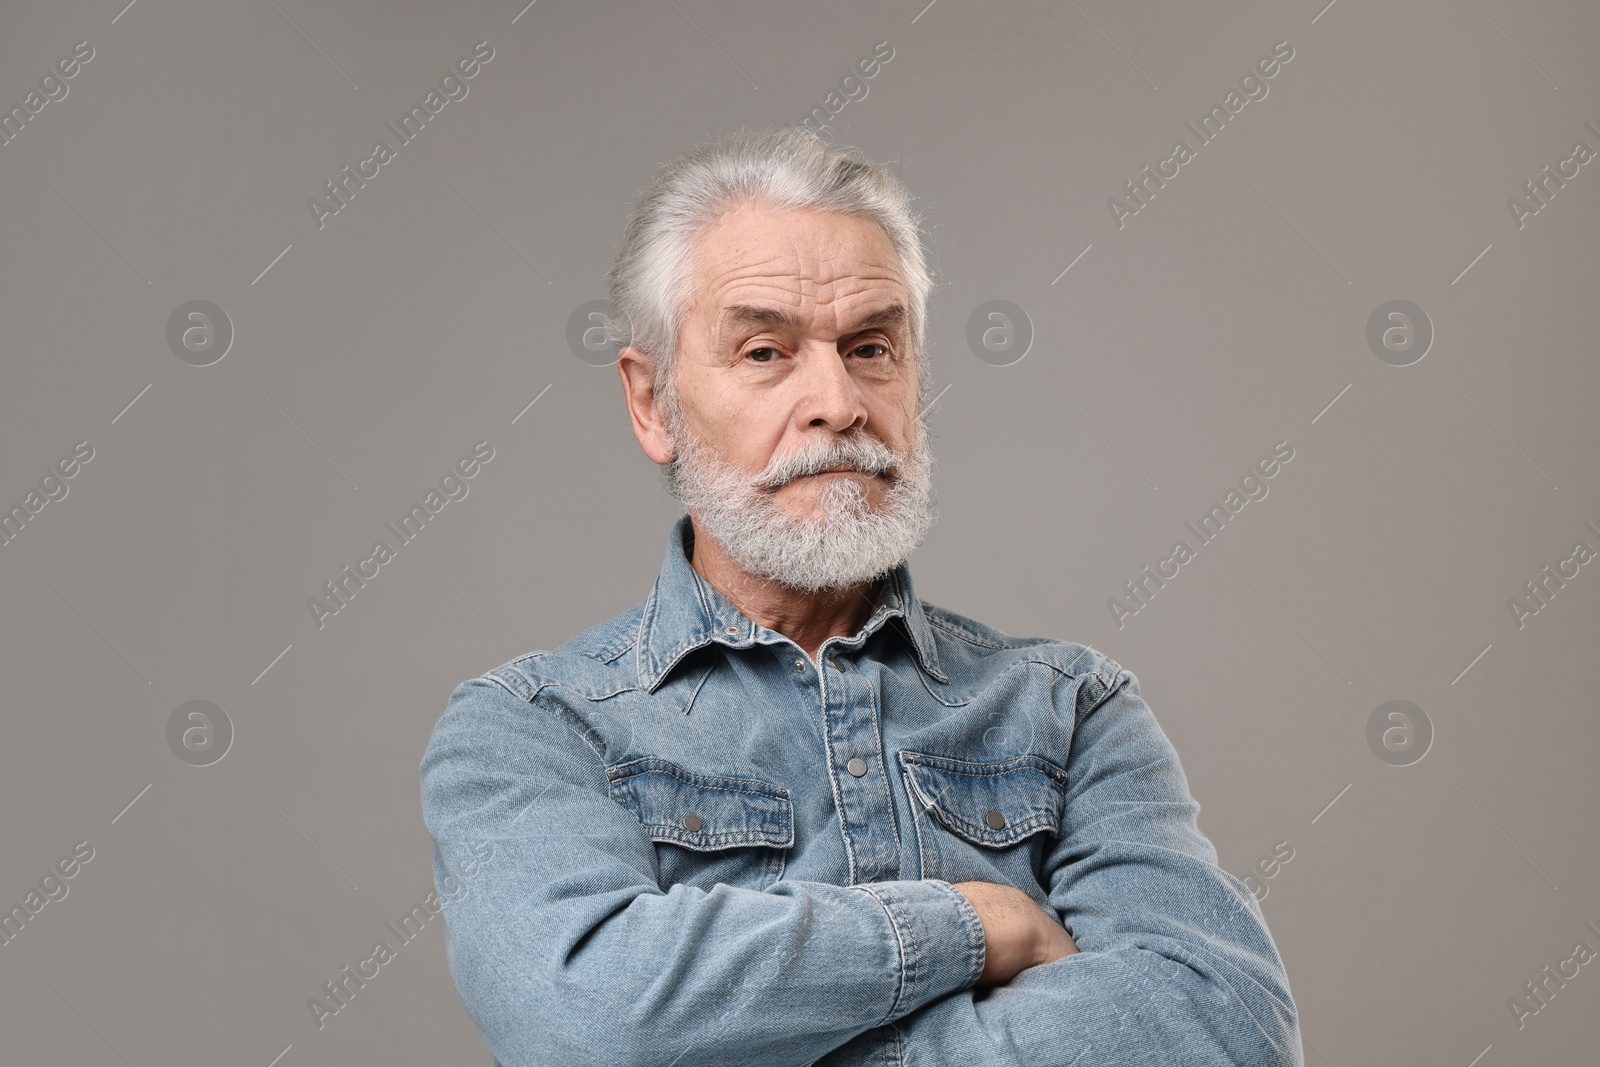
(806, 618)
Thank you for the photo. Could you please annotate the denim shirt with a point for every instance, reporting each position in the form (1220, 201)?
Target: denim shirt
(678, 840)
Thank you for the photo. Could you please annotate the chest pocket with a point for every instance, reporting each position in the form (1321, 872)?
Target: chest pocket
(708, 829)
(1010, 810)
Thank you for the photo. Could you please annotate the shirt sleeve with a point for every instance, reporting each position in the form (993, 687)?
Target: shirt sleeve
(1175, 962)
(565, 949)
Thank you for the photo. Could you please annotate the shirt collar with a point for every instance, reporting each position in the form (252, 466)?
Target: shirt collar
(684, 612)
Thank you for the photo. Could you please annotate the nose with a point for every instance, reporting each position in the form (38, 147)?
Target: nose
(831, 398)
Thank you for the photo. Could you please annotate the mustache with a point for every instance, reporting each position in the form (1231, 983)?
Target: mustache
(865, 454)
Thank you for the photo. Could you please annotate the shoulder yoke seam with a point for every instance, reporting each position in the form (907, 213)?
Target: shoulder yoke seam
(561, 715)
(956, 630)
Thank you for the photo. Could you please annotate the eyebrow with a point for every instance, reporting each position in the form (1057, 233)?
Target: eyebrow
(738, 315)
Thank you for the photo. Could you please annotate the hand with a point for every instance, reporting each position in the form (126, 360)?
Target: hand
(1017, 932)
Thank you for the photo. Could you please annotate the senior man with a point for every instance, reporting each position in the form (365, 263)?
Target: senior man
(782, 811)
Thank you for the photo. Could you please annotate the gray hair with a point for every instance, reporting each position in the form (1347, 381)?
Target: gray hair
(789, 168)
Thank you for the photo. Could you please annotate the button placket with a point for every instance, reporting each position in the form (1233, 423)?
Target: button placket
(866, 811)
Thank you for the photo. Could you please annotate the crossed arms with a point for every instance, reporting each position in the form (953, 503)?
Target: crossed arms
(566, 949)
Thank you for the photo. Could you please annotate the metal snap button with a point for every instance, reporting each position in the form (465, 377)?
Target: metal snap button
(857, 766)
(995, 820)
(799, 664)
(730, 629)
(835, 662)
(692, 821)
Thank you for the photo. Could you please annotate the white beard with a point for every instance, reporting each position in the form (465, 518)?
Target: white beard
(852, 543)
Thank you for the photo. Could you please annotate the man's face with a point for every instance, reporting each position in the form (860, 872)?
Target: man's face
(794, 358)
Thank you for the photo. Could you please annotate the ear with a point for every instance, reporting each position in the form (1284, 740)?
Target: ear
(638, 388)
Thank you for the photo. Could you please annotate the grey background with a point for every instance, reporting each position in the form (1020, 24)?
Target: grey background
(1229, 314)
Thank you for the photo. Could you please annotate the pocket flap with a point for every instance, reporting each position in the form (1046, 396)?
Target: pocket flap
(992, 804)
(701, 811)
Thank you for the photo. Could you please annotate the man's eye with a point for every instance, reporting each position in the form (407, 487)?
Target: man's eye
(767, 354)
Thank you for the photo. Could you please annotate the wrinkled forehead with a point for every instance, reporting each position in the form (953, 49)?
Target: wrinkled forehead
(790, 270)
